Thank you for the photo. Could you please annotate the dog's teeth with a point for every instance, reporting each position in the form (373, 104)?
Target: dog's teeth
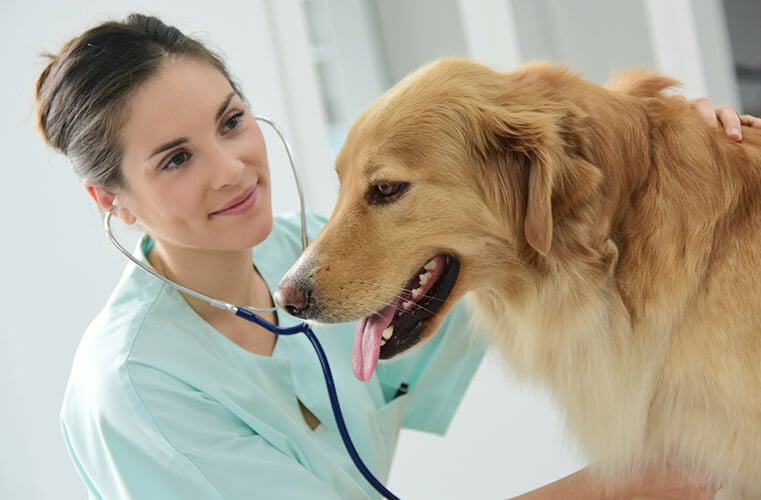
(424, 278)
(430, 265)
(415, 293)
(387, 333)
(383, 342)
(407, 305)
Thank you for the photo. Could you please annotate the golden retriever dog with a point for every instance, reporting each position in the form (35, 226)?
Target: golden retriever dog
(611, 241)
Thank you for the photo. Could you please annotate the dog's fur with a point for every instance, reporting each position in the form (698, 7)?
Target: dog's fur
(612, 241)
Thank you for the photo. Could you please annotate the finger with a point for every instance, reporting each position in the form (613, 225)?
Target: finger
(730, 121)
(707, 111)
(750, 121)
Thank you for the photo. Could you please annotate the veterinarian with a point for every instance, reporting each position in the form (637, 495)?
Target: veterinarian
(171, 398)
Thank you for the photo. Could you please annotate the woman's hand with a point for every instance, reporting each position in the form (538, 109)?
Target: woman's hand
(725, 117)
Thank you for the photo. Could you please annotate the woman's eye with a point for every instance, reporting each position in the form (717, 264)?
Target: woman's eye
(177, 160)
(232, 122)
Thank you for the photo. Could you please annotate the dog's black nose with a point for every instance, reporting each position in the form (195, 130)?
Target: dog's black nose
(294, 299)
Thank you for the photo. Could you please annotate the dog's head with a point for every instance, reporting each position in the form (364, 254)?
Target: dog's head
(447, 185)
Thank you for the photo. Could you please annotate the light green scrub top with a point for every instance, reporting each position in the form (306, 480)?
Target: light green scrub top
(160, 405)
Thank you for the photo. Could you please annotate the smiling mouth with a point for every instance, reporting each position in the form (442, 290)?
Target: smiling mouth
(240, 204)
(401, 323)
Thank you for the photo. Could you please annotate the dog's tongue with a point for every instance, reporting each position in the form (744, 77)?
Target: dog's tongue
(367, 342)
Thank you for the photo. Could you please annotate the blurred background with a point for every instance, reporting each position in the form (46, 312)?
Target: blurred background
(313, 65)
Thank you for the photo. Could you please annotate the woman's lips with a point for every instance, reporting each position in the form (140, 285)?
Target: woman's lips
(240, 203)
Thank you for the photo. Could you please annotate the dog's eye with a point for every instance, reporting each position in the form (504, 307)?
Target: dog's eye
(386, 192)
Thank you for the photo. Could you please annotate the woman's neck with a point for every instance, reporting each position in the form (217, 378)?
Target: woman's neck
(224, 275)
(228, 276)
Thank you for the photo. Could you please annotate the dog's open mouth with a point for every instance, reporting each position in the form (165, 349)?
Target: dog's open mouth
(401, 323)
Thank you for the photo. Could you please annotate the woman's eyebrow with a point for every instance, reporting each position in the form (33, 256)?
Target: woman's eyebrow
(166, 146)
(182, 140)
(224, 105)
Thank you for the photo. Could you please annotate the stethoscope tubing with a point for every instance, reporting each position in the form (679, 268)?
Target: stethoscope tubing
(332, 393)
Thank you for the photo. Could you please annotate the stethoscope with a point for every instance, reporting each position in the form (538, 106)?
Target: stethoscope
(249, 314)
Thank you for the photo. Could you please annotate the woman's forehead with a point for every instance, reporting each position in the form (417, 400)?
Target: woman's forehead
(183, 95)
(184, 84)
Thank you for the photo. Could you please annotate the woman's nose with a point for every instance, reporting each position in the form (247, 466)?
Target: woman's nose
(227, 167)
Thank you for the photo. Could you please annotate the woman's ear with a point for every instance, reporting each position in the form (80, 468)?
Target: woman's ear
(106, 200)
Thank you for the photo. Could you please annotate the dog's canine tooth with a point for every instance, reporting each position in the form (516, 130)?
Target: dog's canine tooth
(387, 334)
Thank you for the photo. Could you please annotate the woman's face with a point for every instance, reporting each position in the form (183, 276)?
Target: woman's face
(195, 162)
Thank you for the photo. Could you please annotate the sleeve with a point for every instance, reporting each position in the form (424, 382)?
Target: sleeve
(181, 444)
(437, 373)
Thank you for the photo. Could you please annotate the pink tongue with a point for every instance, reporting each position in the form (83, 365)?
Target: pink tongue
(367, 341)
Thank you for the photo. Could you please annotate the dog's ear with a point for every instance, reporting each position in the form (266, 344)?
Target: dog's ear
(531, 136)
(537, 225)
(553, 145)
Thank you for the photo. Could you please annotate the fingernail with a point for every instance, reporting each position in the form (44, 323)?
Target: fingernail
(735, 132)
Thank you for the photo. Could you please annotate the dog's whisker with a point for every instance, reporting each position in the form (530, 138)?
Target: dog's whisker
(395, 295)
(393, 290)
(400, 309)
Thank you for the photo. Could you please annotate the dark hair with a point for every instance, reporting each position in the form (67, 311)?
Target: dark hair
(82, 94)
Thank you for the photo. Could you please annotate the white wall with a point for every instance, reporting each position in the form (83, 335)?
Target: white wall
(593, 37)
(743, 17)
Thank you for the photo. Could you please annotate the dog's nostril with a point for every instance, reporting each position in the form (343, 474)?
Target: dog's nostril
(293, 310)
(294, 300)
